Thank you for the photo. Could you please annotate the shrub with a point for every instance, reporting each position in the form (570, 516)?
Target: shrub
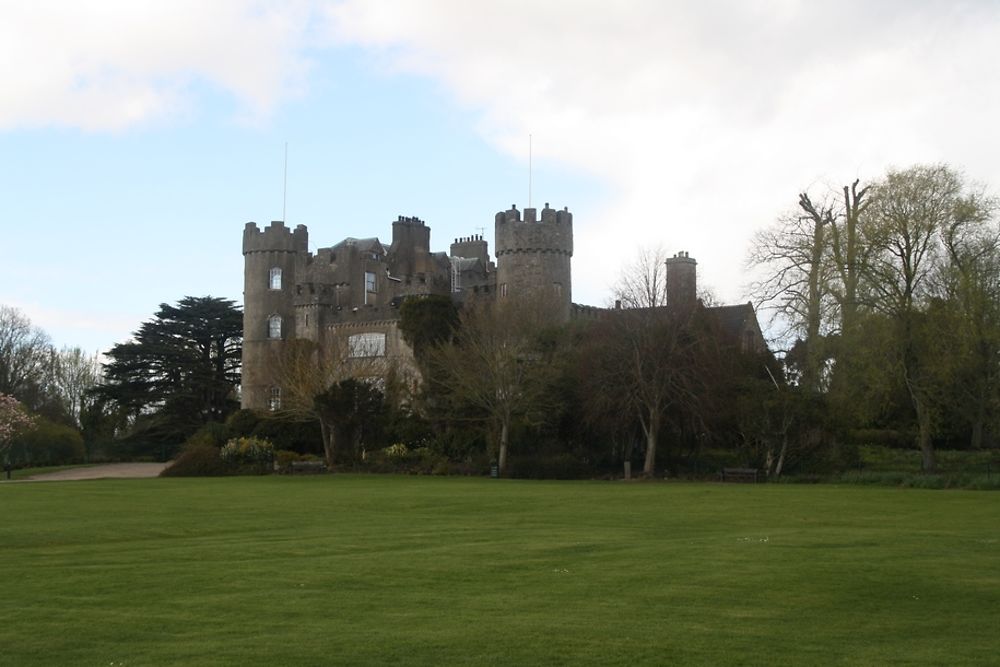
(48, 443)
(212, 433)
(561, 465)
(241, 424)
(197, 460)
(250, 452)
(293, 435)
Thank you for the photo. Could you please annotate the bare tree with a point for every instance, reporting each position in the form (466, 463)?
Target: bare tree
(796, 284)
(76, 373)
(307, 373)
(25, 351)
(496, 364)
(643, 283)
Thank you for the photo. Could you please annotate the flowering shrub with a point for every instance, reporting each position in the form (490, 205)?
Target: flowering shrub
(13, 420)
(396, 452)
(248, 451)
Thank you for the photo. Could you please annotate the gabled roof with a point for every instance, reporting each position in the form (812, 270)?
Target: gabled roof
(733, 319)
(364, 245)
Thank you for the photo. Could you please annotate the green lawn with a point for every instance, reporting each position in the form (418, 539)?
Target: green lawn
(417, 570)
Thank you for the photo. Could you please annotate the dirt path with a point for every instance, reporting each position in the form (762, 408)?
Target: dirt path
(118, 470)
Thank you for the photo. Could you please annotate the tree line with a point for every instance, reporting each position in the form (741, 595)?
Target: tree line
(884, 298)
(887, 295)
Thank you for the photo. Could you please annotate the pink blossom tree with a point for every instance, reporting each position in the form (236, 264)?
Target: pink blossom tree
(13, 420)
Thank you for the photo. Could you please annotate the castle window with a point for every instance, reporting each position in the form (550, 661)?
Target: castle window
(275, 279)
(274, 400)
(274, 326)
(366, 345)
(503, 289)
(557, 288)
(369, 281)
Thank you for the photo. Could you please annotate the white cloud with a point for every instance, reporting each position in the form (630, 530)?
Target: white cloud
(112, 64)
(703, 119)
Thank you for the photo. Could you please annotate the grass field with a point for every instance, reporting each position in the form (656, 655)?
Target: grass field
(417, 570)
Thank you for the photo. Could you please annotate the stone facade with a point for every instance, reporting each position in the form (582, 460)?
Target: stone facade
(347, 296)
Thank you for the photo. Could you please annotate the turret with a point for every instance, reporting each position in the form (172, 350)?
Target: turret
(682, 281)
(272, 258)
(533, 256)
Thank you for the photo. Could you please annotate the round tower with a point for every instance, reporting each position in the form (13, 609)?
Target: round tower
(272, 258)
(682, 281)
(533, 257)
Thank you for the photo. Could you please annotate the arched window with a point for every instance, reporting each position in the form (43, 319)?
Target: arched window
(274, 401)
(274, 326)
(275, 280)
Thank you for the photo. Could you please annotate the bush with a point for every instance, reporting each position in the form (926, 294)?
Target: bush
(254, 453)
(549, 466)
(283, 433)
(212, 433)
(197, 459)
(48, 443)
(241, 424)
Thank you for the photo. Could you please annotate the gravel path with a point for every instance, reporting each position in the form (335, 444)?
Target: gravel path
(118, 470)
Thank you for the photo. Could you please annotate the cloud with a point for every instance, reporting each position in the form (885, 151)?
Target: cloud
(703, 120)
(113, 64)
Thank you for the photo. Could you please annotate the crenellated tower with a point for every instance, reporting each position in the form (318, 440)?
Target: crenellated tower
(533, 256)
(272, 259)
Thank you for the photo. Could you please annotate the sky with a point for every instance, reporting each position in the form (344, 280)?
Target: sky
(138, 137)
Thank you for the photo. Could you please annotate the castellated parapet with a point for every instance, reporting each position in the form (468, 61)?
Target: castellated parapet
(533, 256)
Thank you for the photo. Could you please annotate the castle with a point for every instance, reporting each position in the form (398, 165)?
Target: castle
(347, 296)
(351, 292)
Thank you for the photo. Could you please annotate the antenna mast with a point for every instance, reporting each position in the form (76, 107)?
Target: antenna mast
(529, 170)
(284, 192)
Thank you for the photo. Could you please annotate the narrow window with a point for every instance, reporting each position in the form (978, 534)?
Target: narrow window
(558, 288)
(274, 401)
(275, 280)
(274, 326)
(503, 289)
(369, 281)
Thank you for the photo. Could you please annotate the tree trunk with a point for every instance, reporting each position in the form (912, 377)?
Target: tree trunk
(326, 431)
(652, 430)
(976, 441)
(924, 437)
(781, 455)
(502, 454)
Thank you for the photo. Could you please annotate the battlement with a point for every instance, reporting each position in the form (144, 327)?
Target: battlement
(549, 215)
(681, 257)
(408, 220)
(553, 233)
(275, 237)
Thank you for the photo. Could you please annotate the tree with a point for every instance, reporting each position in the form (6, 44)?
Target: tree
(427, 321)
(76, 373)
(643, 284)
(25, 351)
(496, 365)
(14, 420)
(183, 365)
(324, 383)
(911, 216)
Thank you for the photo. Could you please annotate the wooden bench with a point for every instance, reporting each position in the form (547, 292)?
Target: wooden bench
(307, 467)
(739, 475)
